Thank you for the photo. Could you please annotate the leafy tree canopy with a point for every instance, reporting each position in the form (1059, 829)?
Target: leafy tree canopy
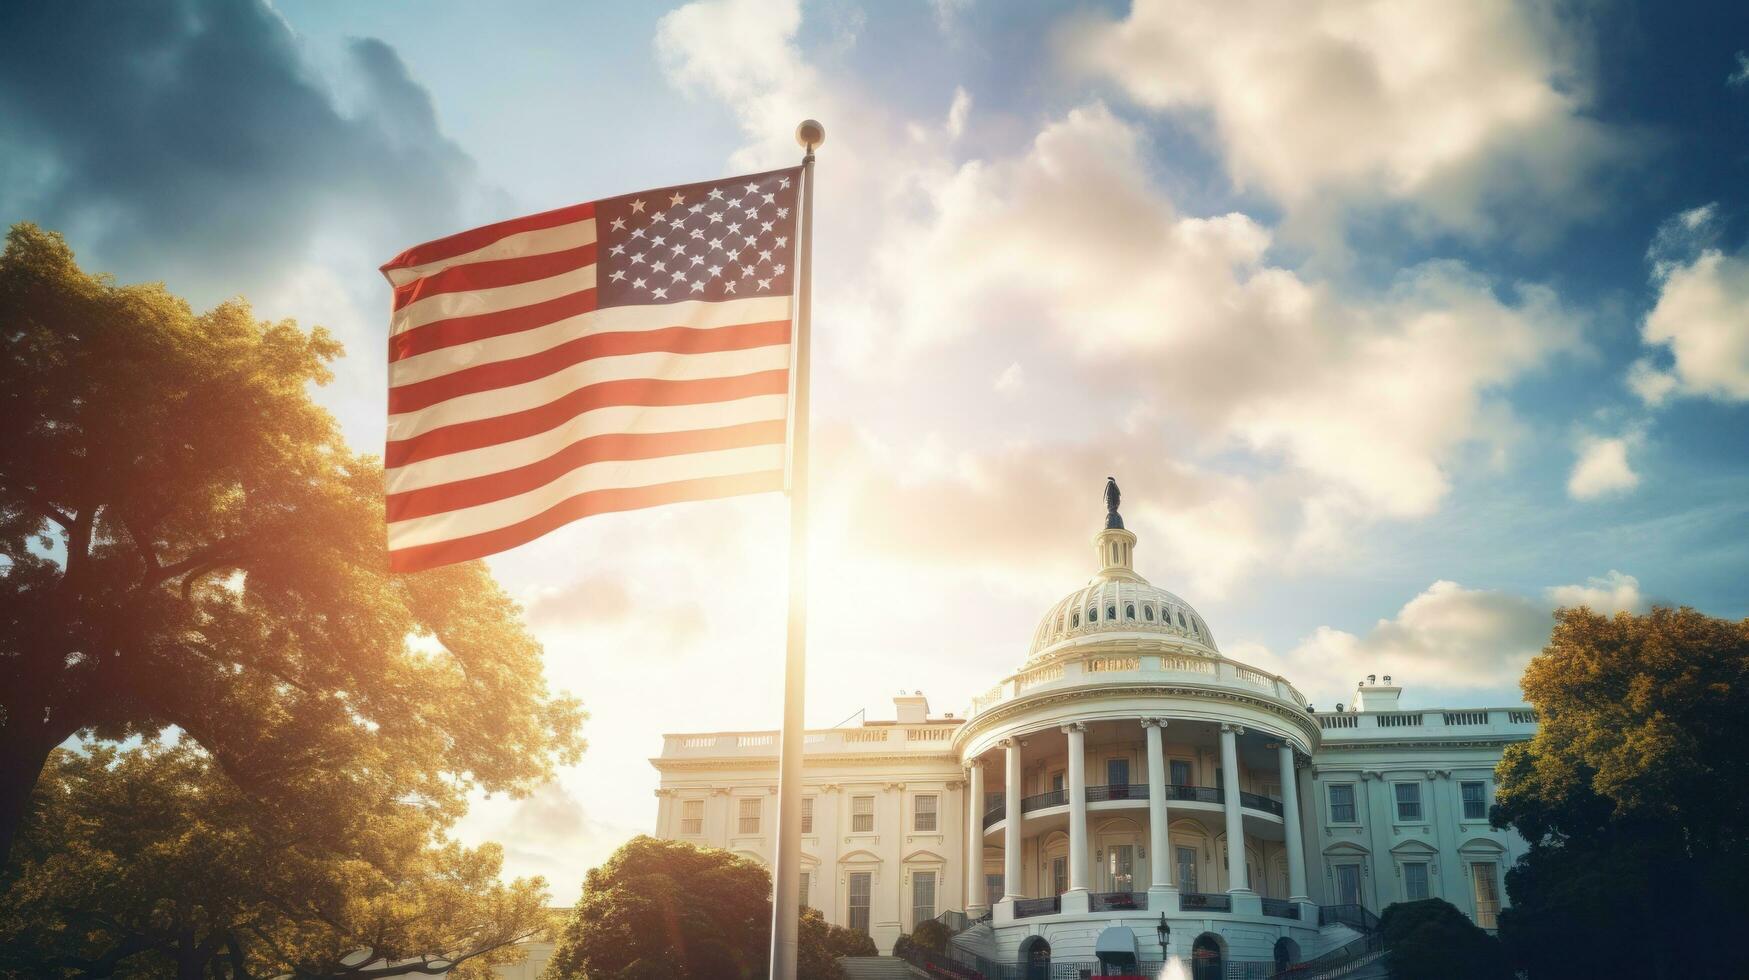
(1634, 795)
(185, 540)
(149, 863)
(660, 908)
(1431, 940)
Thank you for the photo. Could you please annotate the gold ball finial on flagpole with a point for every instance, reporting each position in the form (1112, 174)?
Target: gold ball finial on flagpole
(810, 134)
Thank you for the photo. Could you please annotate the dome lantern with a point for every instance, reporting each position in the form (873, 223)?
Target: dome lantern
(1116, 545)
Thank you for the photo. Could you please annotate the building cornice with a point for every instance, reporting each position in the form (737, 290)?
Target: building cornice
(995, 716)
(745, 762)
(1492, 742)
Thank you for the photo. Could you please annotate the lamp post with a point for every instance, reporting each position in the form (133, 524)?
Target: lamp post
(1165, 933)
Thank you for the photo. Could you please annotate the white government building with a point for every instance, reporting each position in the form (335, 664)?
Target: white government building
(1092, 795)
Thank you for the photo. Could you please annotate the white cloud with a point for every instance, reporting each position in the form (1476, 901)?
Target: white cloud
(1012, 378)
(1448, 637)
(1602, 468)
(1613, 593)
(1701, 317)
(1372, 394)
(1366, 100)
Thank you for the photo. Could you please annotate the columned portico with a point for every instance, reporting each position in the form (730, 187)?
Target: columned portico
(1012, 837)
(1161, 890)
(977, 902)
(1290, 806)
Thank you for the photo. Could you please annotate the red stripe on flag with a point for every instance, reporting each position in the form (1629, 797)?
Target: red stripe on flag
(493, 273)
(614, 446)
(639, 391)
(484, 326)
(461, 243)
(520, 370)
(583, 505)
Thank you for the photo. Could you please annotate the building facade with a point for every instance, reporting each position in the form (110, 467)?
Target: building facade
(1126, 775)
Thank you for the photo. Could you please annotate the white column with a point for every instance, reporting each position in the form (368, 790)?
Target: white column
(1236, 880)
(1290, 813)
(976, 900)
(1011, 837)
(1159, 840)
(1077, 733)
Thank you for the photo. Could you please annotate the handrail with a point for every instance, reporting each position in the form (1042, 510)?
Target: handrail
(1024, 907)
(995, 814)
(1055, 797)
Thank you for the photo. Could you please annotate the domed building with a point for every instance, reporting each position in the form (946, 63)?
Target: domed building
(1128, 793)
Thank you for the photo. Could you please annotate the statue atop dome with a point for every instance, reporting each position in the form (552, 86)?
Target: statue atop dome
(1112, 495)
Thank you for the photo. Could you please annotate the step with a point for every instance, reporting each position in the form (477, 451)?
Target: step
(875, 968)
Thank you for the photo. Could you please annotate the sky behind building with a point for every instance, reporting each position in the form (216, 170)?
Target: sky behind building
(1399, 324)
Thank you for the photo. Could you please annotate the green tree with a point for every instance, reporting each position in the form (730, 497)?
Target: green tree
(659, 908)
(1634, 795)
(187, 541)
(930, 935)
(1431, 940)
(150, 863)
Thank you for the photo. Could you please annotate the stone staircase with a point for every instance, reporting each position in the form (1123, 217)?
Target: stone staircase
(875, 968)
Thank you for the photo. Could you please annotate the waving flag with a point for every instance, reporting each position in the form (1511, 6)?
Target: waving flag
(619, 354)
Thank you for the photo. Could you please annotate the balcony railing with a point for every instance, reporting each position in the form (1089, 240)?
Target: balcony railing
(1133, 791)
(1117, 791)
(1281, 908)
(1205, 902)
(1194, 794)
(1117, 901)
(1055, 797)
(1254, 801)
(1026, 907)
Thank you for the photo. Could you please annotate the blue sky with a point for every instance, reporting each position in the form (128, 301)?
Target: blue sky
(1400, 324)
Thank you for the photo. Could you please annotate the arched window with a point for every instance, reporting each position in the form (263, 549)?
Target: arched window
(1111, 613)
(1075, 621)
(1129, 611)
(1092, 614)
(1181, 623)
(1148, 613)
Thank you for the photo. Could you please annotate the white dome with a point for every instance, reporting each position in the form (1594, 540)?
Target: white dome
(1120, 605)
(1117, 600)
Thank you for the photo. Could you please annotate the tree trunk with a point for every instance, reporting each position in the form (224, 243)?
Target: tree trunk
(22, 757)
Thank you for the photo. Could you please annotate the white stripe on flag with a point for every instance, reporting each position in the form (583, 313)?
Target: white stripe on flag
(538, 242)
(615, 474)
(443, 306)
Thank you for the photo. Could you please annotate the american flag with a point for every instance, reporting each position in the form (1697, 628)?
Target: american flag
(619, 354)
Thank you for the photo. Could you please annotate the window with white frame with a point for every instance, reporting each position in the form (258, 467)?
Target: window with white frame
(1408, 801)
(691, 817)
(807, 879)
(807, 816)
(860, 887)
(1475, 800)
(923, 814)
(750, 810)
(1341, 802)
(1487, 893)
(922, 897)
(1415, 881)
(862, 814)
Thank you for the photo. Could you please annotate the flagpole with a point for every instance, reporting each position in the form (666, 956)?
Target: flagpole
(786, 873)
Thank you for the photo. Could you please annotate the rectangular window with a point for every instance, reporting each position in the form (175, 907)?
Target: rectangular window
(807, 816)
(1342, 803)
(922, 897)
(1348, 884)
(807, 879)
(993, 886)
(750, 808)
(862, 815)
(1187, 869)
(692, 817)
(1059, 875)
(859, 891)
(1056, 782)
(1475, 801)
(1181, 773)
(1117, 772)
(1487, 894)
(1415, 881)
(923, 815)
(1408, 801)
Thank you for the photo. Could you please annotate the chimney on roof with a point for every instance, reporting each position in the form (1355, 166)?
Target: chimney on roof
(1377, 697)
(911, 709)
